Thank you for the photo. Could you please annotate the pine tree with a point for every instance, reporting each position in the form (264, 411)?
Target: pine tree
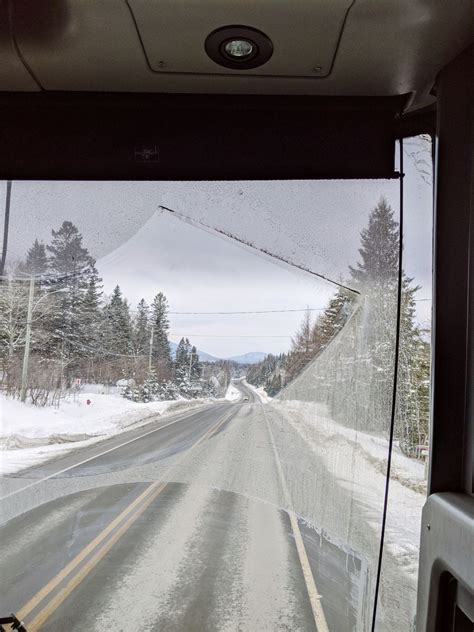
(196, 366)
(161, 352)
(91, 325)
(36, 260)
(379, 250)
(274, 385)
(141, 330)
(74, 271)
(268, 373)
(377, 277)
(182, 366)
(118, 326)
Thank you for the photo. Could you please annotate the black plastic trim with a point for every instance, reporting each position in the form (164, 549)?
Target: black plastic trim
(196, 137)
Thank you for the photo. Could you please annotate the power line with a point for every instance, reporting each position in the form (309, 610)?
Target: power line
(257, 311)
(102, 351)
(228, 336)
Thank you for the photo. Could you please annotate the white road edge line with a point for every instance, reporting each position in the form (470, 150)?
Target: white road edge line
(96, 456)
(314, 596)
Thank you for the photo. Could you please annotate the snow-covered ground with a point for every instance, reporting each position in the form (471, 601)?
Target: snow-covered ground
(232, 394)
(260, 392)
(30, 435)
(357, 461)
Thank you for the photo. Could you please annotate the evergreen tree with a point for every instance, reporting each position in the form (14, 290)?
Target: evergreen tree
(182, 366)
(74, 272)
(377, 277)
(274, 385)
(36, 260)
(196, 366)
(268, 373)
(332, 319)
(141, 330)
(117, 325)
(161, 352)
(91, 325)
(379, 250)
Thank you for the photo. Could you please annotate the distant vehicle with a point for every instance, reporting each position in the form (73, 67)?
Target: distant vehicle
(246, 399)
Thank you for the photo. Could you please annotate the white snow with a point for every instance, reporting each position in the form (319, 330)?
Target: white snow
(232, 393)
(260, 392)
(30, 435)
(357, 460)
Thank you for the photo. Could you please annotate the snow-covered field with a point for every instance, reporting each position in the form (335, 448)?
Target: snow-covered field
(30, 435)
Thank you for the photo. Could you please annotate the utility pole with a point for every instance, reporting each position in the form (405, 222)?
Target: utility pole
(150, 352)
(26, 355)
(190, 364)
(5, 228)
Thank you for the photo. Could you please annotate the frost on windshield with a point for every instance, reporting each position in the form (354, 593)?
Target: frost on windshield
(246, 340)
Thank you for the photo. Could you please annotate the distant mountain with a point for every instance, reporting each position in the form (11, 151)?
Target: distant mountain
(249, 358)
(207, 357)
(203, 356)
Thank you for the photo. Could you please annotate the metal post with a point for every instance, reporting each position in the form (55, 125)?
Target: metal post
(5, 228)
(190, 365)
(26, 355)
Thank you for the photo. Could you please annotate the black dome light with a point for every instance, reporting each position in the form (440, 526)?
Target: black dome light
(238, 47)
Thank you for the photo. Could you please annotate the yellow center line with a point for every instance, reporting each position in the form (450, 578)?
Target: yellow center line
(51, 585)
(145, 498)
(314, 597)
(76, 579)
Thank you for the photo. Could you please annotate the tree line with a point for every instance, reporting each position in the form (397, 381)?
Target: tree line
(78, 335)
(349, 365)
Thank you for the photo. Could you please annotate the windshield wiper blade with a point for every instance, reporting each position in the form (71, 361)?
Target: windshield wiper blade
(14, 622)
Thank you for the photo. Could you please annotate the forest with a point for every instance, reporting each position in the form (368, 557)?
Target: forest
(58, 331)
(357, 384)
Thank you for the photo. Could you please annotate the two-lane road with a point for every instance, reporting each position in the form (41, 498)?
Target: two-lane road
(177, 525)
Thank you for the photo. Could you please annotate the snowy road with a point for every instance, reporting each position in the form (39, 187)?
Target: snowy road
(186, 526)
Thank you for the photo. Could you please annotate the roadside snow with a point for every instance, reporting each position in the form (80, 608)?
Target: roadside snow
(30, 435)
(358, 461)
(260, 392)
(232, 393)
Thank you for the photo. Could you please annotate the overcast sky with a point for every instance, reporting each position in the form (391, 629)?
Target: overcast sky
(315, 224)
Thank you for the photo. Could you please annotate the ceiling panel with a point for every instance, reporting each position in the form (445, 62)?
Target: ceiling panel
(304, 33)
(387, 47)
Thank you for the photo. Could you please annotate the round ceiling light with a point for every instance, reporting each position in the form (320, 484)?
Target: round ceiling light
(238, 47)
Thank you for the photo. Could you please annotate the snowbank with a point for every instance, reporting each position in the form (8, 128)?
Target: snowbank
(374, 448)
(357, 460)
(259, 392)
(232, 393)
(30, 435)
